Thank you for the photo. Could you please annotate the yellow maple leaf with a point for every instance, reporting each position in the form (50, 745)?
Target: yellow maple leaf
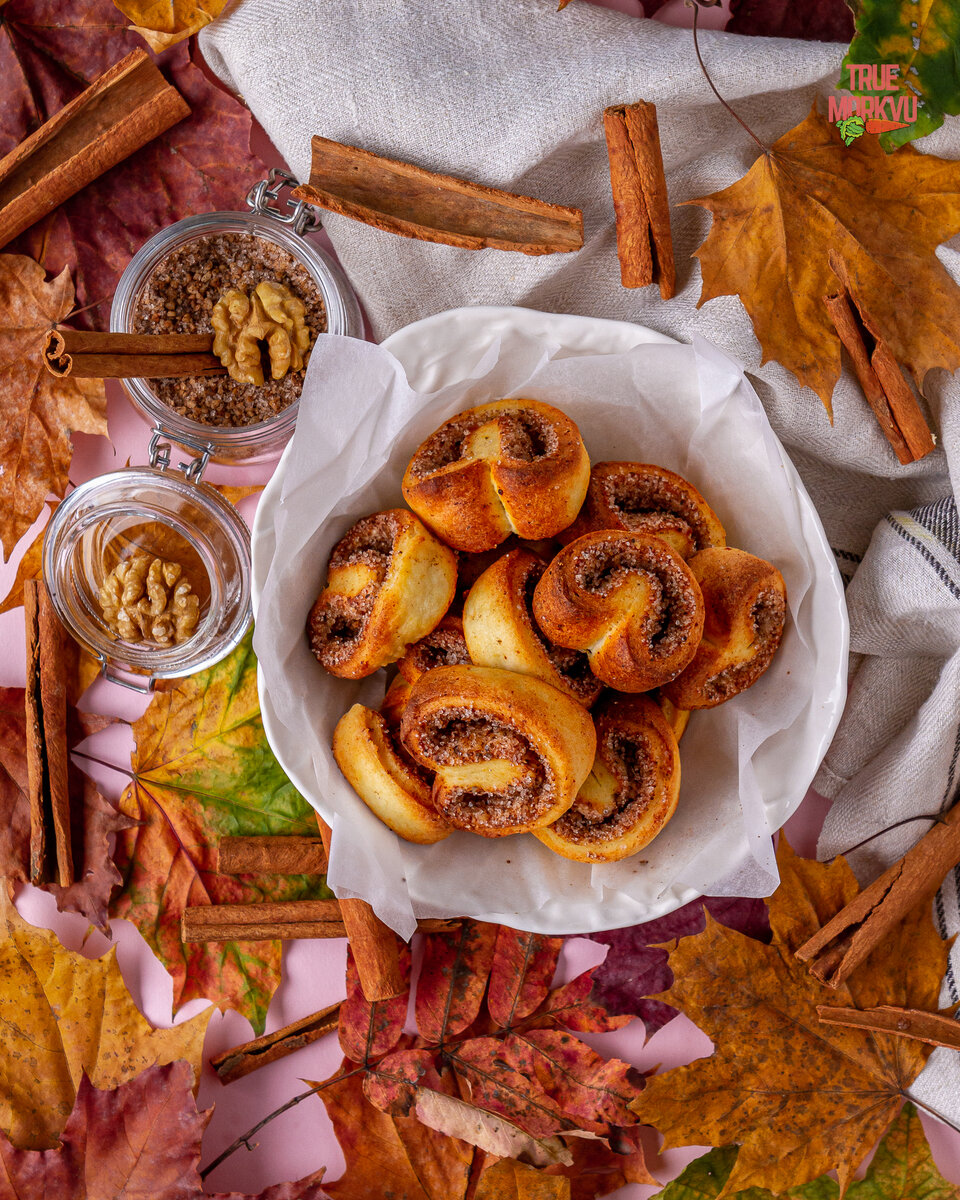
(802, 1098)
(163, 23)
(884, 215)
(63, 1015)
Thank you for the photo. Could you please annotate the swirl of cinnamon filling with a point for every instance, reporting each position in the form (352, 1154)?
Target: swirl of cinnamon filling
(745, 602)
(513, 466)
(631, 791)
(389, 581)
(444, 646)
(629, 601)
(385, 777)
(645, 498)
(508, 752)
(500, 629)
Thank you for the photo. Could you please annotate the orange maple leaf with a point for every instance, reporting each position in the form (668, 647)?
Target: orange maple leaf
(883, 214)
(802, 1098)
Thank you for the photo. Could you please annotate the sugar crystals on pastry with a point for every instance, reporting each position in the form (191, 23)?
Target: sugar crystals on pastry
(631, 791)
(513, 466)
(745, 603)
(629, 601)
(508, 752)
(643, 498)
(389, 582)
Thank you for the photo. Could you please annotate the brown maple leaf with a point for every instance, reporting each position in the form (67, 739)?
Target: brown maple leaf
(94, 820)
(802, 1098)
(141, 1138)
(38, 412)
(884, 215)
(49, 51)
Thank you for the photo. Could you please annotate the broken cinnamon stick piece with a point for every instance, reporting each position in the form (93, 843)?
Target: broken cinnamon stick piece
(285, 919)
(836, 950)
(51, 853)
(644, 240)
(887, 391)
(401, 198)
(376, 948)
(279, 855)
(129, 355)
(241, 1060)
(933, 1028)
(122, 110)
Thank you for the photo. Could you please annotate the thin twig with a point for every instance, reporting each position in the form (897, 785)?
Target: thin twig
(936, 818)
(932, 1111)
(706, 75)
(101, 762)
(244, 1138)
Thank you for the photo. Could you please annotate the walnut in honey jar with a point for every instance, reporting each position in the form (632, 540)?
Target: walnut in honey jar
(148, 599)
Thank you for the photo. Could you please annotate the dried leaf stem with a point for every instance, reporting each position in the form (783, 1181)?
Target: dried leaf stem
(706, 75)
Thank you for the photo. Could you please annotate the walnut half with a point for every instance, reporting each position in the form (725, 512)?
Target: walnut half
(146, 599)
(242, 324)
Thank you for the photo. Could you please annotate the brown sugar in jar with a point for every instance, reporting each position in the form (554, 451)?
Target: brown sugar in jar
(179, 297)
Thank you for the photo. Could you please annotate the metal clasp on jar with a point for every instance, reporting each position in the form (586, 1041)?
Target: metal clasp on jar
(160, 452)
(263, 198)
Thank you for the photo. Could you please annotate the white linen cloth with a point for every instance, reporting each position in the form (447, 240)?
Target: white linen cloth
(510, 93)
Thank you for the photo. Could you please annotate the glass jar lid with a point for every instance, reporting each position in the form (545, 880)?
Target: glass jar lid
(149, 569)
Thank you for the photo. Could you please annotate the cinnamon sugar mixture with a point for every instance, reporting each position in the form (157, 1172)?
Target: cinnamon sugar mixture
(767, 616)
(573, 665)
(651, 503)
(444, 647)
(179, 298)
(525, 437)
(632, 760)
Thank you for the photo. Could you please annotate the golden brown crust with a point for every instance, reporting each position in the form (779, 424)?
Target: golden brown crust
(508, 751)
(676, 718)
(644, 498)
(513, 466)
(389, 581)
(632, 789)
(394, 788)
(745, 602)
(629, 601)
(500, 630)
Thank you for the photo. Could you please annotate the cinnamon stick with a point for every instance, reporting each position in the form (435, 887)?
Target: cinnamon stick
(887, 391)
(271, 856)
(376, 948)
(933, 1028)
(286, 919)
(129, 355)
(836, 950)
(51, 853)
(241, 1060)
(122, 110)
(401, 198)
(644, 240)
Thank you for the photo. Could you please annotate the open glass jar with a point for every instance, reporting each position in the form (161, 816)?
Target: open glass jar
(155, 512)
(281, 234)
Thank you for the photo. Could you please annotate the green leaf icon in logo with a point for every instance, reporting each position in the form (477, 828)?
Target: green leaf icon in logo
(851, 128)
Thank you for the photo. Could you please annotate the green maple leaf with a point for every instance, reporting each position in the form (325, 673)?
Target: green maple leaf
(851, 128)
(902, 1169)
(923, 38)
(202, 770)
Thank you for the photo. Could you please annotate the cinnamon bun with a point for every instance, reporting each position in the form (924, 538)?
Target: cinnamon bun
(500, 629)
(508, 752)
(629, 601)
(643, 498)
(631, 791)
(745, 602)
(389, 581)
(513, 466)
(392, 786)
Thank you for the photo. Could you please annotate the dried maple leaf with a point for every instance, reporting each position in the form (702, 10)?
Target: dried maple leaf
(163, 23)
(884, 216)
(202, 770)
(802, 1098)
(924, 40)
(38, 412)
(94, 819)
(140, 1138)
(902, 1169)
(815, 20)
(636, 965)
(63, 1015)
(510, 1180)
(49, 51)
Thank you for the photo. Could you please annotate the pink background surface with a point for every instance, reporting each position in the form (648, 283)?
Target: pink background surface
(301, 1140)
